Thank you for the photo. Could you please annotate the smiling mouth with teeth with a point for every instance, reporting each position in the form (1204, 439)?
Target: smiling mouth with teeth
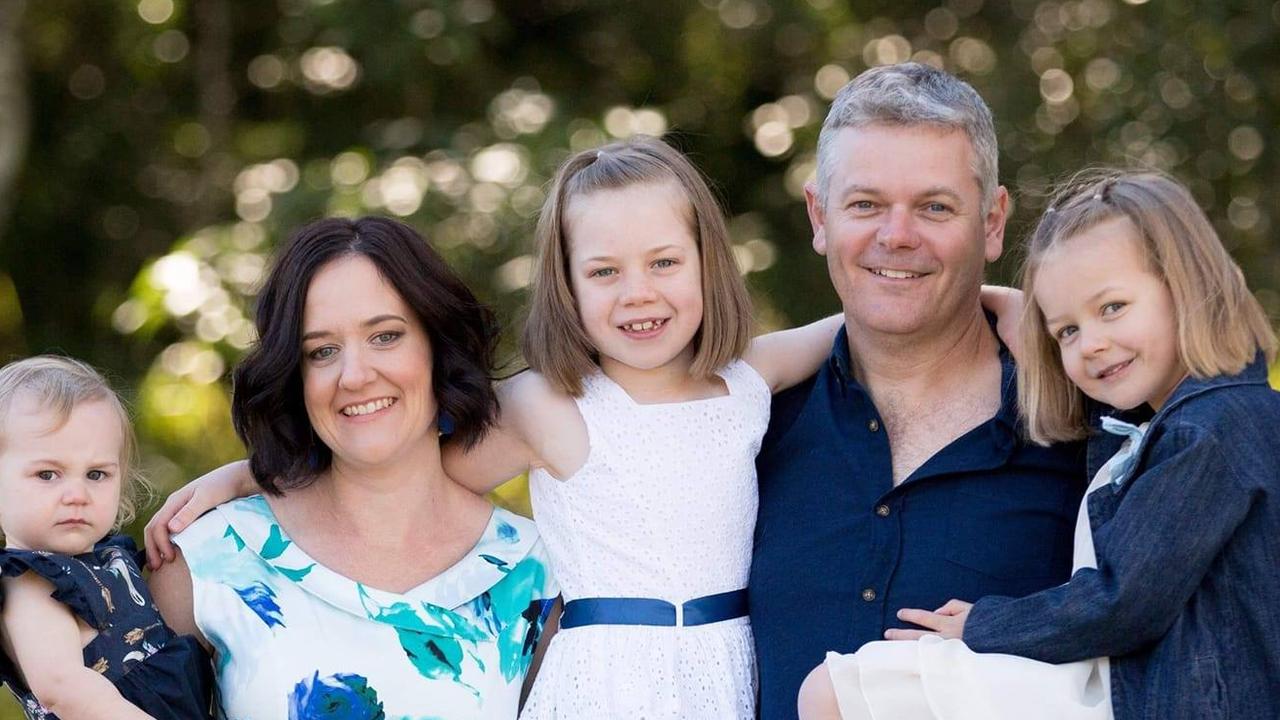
(643, 326)
(1113, 369)
(895, 274)
(367, 408)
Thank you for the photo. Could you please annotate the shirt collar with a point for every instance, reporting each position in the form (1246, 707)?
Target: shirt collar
(1006, 418)
(1255, 373)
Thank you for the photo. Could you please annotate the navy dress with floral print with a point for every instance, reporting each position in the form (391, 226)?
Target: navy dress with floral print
(163, 674)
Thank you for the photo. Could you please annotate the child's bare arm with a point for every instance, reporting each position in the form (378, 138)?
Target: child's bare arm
(45, 641)
(1007, 304)
(787, 357)
(535, 428)
(499, 456)
(189, 502)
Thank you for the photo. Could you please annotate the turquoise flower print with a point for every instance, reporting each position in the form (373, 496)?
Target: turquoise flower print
(262, 601)
(507, 532)
(344, 696)
(235, 537)
(275, 545)
(432, 638)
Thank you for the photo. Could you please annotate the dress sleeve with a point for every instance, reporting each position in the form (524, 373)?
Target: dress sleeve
(1172, 521)
(73, 584)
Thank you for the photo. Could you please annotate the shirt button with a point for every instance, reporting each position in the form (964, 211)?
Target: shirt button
(882, 510)
(873, 425)
(869, 595)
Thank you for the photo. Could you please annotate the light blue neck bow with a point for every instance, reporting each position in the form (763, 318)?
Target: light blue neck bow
(1124, 460)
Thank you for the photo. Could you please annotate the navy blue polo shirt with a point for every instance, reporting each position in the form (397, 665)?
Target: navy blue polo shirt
(839, 550)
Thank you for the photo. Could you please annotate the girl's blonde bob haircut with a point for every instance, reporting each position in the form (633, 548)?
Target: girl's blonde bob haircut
(554, 342)
(61, 384)
(1221, 326)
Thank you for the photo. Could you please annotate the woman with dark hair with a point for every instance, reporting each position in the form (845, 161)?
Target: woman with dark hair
(363, 582)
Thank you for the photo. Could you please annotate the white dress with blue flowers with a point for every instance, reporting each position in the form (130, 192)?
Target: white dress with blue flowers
(295, 640)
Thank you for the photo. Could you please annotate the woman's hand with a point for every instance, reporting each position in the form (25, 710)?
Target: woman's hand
(947, 621)
(189, 502)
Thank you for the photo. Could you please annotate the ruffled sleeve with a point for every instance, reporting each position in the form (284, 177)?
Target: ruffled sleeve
(73, 583)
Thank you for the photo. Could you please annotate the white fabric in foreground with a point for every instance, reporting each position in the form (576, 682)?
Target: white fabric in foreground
(936, 679)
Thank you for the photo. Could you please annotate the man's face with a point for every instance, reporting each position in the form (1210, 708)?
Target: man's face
(903, 228)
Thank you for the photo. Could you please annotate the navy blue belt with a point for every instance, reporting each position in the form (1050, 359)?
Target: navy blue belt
(649, 611)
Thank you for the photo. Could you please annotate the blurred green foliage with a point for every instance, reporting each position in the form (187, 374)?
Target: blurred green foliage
(170, 144)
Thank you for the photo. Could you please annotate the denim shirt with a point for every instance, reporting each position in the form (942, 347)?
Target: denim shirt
(1186, 596)
(839, 549)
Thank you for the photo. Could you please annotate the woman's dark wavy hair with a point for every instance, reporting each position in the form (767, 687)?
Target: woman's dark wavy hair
(267, 407)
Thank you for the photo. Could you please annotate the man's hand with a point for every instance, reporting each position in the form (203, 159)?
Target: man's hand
(947, 621)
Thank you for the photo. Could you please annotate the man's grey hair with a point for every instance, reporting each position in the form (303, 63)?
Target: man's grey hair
(911, 94)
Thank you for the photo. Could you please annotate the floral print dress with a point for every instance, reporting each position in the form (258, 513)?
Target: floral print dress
(293, 639)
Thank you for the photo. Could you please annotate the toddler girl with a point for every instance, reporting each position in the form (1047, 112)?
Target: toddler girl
(80, 634)
(1138, 332)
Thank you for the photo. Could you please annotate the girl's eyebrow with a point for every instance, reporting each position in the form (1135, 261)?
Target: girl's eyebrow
(1091, 299)
(59, 464)
(45, 461)
(664, 248)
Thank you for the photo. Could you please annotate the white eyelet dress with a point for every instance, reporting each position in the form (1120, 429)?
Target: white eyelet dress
(664, 507)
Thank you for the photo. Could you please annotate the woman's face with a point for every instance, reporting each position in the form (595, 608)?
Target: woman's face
(366, 366)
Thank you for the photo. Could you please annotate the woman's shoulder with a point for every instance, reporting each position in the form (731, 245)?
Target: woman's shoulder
(229, 522)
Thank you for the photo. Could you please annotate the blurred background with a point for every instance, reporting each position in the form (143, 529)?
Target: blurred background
(152, 152)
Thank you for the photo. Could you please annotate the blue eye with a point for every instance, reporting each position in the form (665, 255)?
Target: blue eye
(1112, 307)
(323, 352)
(47, 475)
(97, 475)
(602, 272)
(665, 263)
(386, 338)
(1065, 332)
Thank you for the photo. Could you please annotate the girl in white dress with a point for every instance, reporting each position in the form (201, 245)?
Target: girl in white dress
(1132, 306)
(638, 423)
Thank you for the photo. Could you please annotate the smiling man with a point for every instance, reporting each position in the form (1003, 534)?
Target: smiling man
(898, 476)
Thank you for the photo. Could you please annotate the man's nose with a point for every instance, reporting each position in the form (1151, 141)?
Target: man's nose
(898, 229)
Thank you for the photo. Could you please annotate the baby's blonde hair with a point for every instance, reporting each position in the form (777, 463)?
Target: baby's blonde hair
(1221, 326)
(60, 384)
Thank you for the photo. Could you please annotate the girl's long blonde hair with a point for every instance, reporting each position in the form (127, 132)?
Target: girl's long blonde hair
(1221, 326)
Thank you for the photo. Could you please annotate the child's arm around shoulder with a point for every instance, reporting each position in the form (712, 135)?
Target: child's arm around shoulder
(223, 484)
(538, 426)
(787, 357)
(44, 638)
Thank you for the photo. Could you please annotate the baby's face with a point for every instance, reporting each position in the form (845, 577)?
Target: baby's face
(59, 484)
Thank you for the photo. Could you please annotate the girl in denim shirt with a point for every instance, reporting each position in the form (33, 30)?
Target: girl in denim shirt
(1140, 333)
